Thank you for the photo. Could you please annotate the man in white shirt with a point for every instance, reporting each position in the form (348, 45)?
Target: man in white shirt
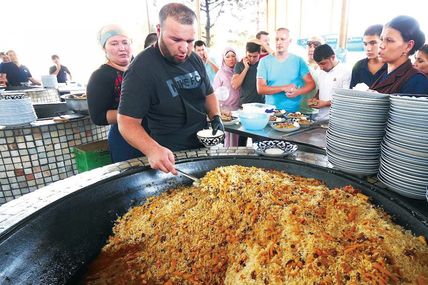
(333, 74)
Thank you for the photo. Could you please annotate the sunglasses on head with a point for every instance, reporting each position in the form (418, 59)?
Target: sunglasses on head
(313, 43)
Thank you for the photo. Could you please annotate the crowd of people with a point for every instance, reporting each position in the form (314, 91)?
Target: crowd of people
(13, 73)
(157, 101)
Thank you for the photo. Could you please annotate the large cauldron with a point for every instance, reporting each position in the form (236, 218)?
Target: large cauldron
(54, 245)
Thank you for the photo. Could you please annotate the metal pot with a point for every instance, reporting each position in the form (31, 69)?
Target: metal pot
(53, 245)
(77, 103)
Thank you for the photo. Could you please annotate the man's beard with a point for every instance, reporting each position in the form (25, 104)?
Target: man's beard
(166, 54)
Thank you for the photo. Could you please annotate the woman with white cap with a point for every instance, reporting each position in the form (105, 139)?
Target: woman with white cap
(104, 89)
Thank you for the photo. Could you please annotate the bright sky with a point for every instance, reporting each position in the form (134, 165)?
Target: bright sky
(38, 29)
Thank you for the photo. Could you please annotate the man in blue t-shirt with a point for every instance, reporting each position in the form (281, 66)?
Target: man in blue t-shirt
(283, 77)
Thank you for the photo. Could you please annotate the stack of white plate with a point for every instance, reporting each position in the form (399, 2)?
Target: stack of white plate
(16, 109)
(356, 126)
(404, 156)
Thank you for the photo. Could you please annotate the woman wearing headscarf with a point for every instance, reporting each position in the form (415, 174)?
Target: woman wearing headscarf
(400, 38)
(104, 87)
(224, 78)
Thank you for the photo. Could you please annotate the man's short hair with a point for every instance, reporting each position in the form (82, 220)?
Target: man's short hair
(199, 43)
(150, 39)
(373, 30)
(283, 29)
(2, 53)
(252, 47)
(323, 52)
(259, 34)
(179, 12)
(54, 57)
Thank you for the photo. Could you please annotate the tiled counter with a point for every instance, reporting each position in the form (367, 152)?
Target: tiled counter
(35, 155)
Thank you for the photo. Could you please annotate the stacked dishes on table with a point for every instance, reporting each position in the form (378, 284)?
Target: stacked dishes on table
(16, 109)
(356, 127)
(404, 155)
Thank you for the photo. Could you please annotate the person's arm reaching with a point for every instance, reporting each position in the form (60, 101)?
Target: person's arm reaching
(307, 87)
(34, 81)
(159, 157)
(264, 89)
(238, 78)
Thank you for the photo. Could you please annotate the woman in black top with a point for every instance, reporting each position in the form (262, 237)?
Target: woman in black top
(104, 89)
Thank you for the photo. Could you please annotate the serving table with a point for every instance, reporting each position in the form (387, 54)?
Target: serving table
(311, 139)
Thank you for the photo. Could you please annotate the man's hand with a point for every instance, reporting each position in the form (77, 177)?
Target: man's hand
(246, 62)
(316, 103)
(217, 124)
(163, 159)
(205, 56)
(290, 90)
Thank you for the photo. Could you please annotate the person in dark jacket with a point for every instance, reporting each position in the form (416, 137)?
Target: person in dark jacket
(401, 37)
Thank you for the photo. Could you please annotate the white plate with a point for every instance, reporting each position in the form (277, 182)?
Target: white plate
(360, 93)
(398, 188)
(285, 130)
(231, 122)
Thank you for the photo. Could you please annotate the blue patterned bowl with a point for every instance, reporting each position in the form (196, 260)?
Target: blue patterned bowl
(207, 138)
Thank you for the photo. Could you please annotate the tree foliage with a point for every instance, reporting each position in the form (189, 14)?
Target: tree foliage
(213, 9)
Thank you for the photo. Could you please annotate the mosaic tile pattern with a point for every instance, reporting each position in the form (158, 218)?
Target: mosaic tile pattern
(34, 156)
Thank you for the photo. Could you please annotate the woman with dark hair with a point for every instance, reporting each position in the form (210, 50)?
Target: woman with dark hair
(421, 62)
(400, 38)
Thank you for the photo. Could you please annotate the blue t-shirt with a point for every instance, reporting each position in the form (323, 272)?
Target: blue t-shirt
(14, 74)
(290, 71)
(210, 72)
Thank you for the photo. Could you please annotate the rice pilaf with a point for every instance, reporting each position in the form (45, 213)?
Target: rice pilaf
(247, 225)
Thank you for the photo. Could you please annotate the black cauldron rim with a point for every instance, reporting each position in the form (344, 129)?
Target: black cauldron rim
(61, 274)
(376, 191)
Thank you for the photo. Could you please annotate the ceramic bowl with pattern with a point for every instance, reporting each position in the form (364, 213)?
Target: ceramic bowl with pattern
(207, 138)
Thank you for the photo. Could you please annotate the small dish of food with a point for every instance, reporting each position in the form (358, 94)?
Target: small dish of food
(305, 123)
(274, 148)
(275, 119)
(286, 126)
(276, 112)
(296, 115)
